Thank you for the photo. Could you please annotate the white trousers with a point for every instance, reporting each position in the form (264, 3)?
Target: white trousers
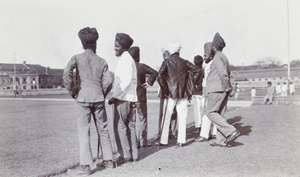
(198, 102)
(181, 108)
(206, 126)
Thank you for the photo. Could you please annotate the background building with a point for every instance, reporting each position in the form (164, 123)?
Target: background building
(260, 77)
(29, 76)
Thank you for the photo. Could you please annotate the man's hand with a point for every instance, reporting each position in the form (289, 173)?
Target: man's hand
(190, 98)
(145, 85)
(111, 101)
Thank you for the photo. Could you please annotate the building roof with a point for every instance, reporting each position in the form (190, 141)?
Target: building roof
(29, 69)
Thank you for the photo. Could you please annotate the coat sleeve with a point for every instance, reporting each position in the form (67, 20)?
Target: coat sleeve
(106, 80)
(69, 78)
(224, 74)
(152, 74)
(162, 79)
(194, 74)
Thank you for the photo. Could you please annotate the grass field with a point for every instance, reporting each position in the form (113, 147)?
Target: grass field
(40, 137)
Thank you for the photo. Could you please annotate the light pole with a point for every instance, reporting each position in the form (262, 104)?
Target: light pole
(288, 41)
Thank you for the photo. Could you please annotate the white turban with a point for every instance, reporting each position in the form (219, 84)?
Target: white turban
(174, 47)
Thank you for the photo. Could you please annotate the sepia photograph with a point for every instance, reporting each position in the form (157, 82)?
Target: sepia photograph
(161, 88)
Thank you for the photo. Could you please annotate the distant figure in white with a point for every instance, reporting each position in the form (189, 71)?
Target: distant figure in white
(278, 89)
(292, 89)
(284, 89)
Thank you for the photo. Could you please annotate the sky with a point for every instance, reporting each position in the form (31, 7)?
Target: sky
(45, 31)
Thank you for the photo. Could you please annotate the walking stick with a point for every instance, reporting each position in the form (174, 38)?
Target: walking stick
(166, 100)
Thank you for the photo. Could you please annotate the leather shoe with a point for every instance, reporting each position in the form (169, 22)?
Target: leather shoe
(160, 144)
(108, 164)
(173, 137)
(180, 144)
(200, 139)
(232, 136)
(220, 145)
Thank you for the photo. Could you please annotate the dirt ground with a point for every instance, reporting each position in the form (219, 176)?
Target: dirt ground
(39, 138)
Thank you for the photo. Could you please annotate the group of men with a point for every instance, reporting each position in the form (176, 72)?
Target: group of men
(179, 81)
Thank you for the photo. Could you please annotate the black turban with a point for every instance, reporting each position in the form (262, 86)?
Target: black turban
(124, 40)
(135, 53)
(198, 60)
(88, 35)
(218, 42)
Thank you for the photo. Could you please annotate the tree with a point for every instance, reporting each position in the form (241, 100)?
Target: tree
(268, 62)
(295, 63)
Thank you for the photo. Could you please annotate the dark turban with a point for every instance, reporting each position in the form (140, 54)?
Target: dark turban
(135, 53)
(198, 60)
(124, 40)
(218, 42)
(88, 35)
(207, 48)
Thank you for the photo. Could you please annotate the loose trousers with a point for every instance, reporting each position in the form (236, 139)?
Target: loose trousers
(216, 106)
(173, 125)
(142, 128)
(198, 103)
(181, 107)
(85, 111)
(124, 129)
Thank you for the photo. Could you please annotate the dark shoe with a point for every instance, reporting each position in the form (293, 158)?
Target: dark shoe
(128, 161)
(81, 170)
(145, 145)
(212, 137)
(156, 138)
(160, 144)
(197, 130)
(108, 164)
(173, 137)
(220, 145)
(180, 144)
(232, 136)
(200, 139)
(124, 161)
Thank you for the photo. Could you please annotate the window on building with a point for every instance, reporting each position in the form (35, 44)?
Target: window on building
(253, 79)
(274, 78)
(266, 79)
(259, 79)
(292, 78)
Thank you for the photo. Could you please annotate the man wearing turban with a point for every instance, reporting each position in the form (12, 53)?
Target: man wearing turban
(218, 87)
(124, 97)
(89, 87)
(206, 123)
(142, 85)
(173, 80)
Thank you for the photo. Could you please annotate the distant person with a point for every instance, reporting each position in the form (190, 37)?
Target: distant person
(218, 87)
(94, 83)
(253, 93)
(268, 99)
(197, 94)
(124, 97)
(172, 78)
(284, 89)
(143, 70)
(162, 110)
(278, 89)
(236, 90)
(292, 89)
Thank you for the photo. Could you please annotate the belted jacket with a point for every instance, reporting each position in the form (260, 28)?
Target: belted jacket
(173, 77)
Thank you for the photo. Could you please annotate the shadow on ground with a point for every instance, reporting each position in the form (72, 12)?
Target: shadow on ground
(244, 130)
